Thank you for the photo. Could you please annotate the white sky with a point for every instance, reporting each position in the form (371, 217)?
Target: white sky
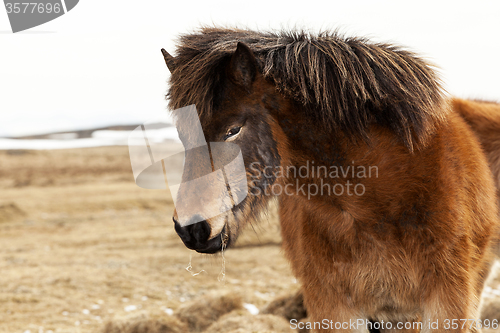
(100, 64)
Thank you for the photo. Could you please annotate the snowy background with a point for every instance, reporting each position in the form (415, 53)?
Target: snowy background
(100, 64)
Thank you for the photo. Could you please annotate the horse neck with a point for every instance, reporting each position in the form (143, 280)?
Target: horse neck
(311, 147)
(309, 141)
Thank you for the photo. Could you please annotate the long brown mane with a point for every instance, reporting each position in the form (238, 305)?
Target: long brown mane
(344, 83)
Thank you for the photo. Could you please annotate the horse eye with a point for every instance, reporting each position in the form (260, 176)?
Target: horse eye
(232, 132)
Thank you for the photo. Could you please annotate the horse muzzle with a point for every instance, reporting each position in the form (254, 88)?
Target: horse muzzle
(196, 237)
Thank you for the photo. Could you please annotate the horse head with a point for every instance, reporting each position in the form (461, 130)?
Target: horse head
(244, 117)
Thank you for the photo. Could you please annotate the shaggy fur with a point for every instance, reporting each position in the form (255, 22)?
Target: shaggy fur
(416, 244)
(345, 83)
(484, 119)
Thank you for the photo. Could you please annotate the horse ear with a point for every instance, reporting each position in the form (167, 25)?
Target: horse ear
(169, 60)
(243, 66)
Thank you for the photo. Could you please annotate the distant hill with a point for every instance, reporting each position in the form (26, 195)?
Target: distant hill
(85, 133)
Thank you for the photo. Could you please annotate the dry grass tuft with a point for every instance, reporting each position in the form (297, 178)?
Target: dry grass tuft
(491, 310)
(248, 322)
(304, 329)
(10, 211)
(288, 306)
(203, 311)
(167, 325)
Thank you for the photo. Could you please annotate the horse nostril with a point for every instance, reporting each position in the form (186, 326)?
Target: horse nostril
(194, 235)
(200, 231)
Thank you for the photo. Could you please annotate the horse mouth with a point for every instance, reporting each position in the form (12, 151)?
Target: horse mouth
(216, 244)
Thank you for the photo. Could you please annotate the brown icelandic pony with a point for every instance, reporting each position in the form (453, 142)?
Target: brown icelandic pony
(396, 218)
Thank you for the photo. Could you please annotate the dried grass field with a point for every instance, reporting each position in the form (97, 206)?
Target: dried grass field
(82, 245)
(83, 249)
